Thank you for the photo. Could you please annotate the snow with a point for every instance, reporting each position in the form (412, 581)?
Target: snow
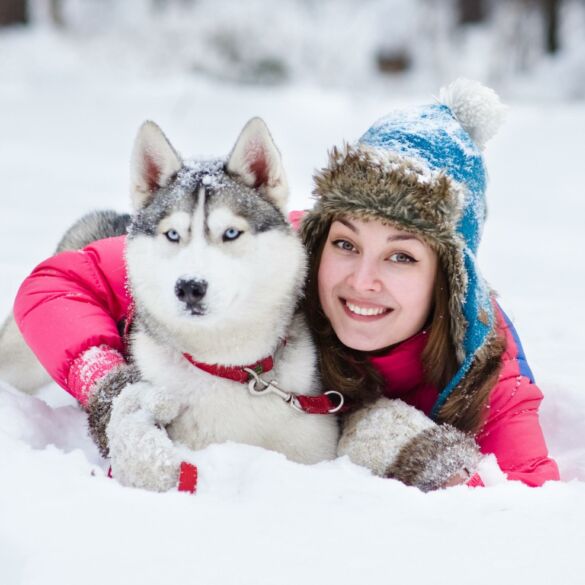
(67, 129)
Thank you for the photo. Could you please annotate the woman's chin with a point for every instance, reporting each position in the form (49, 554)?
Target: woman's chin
(365, 342)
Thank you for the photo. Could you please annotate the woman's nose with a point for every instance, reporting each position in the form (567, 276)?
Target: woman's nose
(365, 276)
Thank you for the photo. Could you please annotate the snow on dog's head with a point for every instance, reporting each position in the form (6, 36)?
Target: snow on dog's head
(209, 247)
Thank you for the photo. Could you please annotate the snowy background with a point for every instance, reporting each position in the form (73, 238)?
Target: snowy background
(71, 100)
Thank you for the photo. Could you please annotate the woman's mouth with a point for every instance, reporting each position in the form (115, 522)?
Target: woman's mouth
(364, 311)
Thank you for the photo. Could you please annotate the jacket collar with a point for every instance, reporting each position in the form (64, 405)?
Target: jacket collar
(401, 366)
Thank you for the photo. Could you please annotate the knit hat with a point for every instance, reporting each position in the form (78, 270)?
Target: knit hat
(421, 169)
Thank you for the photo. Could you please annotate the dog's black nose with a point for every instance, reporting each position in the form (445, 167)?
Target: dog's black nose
(190, 292)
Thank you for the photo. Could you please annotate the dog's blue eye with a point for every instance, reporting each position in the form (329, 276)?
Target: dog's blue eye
(231, 234)
(173, 236)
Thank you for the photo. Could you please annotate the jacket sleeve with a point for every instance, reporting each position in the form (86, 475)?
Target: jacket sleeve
(512, 430)
(73, 302)
(295, 218)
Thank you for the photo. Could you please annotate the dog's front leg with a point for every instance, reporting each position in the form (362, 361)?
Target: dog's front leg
(142, 454)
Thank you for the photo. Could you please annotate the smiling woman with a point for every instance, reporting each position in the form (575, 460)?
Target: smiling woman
(406, 327)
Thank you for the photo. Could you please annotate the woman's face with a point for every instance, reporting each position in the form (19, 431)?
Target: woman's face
(375, 283)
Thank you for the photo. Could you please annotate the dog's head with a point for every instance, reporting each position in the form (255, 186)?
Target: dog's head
(209, 246)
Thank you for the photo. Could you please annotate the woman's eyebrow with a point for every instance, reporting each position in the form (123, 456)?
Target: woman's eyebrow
(396, 238)
(402, 238)
(348, 224)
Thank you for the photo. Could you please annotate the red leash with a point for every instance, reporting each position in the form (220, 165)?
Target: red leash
(235, 373)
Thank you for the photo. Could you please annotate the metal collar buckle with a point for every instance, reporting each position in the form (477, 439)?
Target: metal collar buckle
(259, 387)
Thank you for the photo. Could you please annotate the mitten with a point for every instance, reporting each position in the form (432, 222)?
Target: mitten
(141, 452)
(396, 440)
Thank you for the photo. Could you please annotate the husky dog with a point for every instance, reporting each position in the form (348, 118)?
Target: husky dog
(215, 272)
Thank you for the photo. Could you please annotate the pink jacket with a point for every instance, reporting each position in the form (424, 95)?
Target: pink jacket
(78, 300)
(511, 430)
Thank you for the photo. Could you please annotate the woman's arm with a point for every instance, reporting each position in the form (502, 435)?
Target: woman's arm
(69, 310)
(512, 432)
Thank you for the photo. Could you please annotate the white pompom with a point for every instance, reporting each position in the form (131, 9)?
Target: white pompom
(477, 108)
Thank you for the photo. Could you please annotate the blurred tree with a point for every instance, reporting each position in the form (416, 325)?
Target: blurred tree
(56, 13)
(13, 12)
(551, 16)
(471, 11)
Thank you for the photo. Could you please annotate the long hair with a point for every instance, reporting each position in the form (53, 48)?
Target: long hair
(350, 371)
(465, 408)
(438, 357)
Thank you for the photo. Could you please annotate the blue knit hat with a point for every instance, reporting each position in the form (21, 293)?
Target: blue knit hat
(422, 170)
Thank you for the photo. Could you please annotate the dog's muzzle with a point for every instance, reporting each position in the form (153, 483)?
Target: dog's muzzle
(191, 292)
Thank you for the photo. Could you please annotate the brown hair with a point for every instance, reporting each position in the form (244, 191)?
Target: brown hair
(466, 406)
(350, 371)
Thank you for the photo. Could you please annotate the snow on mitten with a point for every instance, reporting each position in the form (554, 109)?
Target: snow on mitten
(141, 452)
(396, 440)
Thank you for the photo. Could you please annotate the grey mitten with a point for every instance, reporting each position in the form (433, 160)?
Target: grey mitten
(101, 397)
(142, 454)
(396, 440)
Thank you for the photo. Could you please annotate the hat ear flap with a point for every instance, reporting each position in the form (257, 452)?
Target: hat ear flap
(256, 161)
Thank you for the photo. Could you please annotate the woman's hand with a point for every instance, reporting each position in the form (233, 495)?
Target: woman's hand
(398, 441)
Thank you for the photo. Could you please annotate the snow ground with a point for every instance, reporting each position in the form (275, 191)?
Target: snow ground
(66, 129)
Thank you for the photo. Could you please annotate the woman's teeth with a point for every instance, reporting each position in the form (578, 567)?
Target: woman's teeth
(364, 311)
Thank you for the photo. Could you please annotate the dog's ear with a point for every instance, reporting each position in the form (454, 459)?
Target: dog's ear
(256, 161)
(154, 163)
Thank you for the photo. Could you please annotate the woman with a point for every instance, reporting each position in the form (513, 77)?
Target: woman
(403, 311)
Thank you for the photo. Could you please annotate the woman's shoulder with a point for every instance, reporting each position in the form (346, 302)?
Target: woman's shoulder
(514, 361)
(515, 387)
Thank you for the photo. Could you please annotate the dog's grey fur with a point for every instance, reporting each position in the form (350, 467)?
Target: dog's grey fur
(95, 225)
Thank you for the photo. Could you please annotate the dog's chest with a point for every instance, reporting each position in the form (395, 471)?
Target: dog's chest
(215, 409)
(218, 410)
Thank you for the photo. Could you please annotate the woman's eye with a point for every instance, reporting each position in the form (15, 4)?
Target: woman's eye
(231, 234)
(402, 258)
(173, 236)
(344, 245)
